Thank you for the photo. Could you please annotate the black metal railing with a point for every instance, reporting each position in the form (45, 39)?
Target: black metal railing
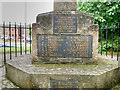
(106, 35)
(111, 33)
(17, 30)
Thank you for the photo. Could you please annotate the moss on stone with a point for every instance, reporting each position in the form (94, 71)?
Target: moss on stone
(64, 65)
(101, 63)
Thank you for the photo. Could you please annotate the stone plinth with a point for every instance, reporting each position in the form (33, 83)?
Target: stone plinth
(84, 26)
(27, 75)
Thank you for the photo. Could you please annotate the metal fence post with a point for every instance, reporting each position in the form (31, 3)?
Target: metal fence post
(20, 40)
(4, 43)
(15, 41)
(118, 41)
(112, 40)
(10, 38)
(106, 38)
(101, 37)
(30, 37)
(25, 38)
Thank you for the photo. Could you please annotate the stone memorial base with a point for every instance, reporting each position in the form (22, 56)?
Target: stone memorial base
(23, 73)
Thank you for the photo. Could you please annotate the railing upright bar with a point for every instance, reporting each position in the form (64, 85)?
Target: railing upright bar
(112, 40)
(106, 38)
(118, 41)
(4, 43)
(30, 37)
(20, 40)
(25, 39)
(10, 38)
(101, 37)
(15, 41)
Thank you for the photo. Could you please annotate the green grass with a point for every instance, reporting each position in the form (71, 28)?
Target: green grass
(7, 49)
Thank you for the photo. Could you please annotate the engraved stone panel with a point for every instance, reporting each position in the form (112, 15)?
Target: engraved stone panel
(65, 46)
(65, 24)
(63, 84)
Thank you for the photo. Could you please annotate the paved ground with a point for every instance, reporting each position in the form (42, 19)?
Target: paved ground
(5, 83)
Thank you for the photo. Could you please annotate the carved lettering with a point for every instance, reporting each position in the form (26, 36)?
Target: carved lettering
(65, 46)
(65, 24)
(63, 84)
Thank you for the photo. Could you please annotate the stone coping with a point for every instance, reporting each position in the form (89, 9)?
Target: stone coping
(65, 12)
(24, 63)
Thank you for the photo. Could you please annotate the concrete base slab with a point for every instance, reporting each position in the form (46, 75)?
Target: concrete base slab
(23, 73)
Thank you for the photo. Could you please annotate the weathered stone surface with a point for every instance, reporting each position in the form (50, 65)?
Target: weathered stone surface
(65, 5)
(104, 75)
(4, 82)
(85, 26)
(45, 22)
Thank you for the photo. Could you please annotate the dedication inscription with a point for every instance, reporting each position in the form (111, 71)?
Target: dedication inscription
(63, 84)
(65, 46)
(65, 24)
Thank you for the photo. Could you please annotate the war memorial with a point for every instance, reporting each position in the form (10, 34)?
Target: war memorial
(64, 53)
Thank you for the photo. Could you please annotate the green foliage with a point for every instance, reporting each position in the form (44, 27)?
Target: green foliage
(103, 12)
(109, 46)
